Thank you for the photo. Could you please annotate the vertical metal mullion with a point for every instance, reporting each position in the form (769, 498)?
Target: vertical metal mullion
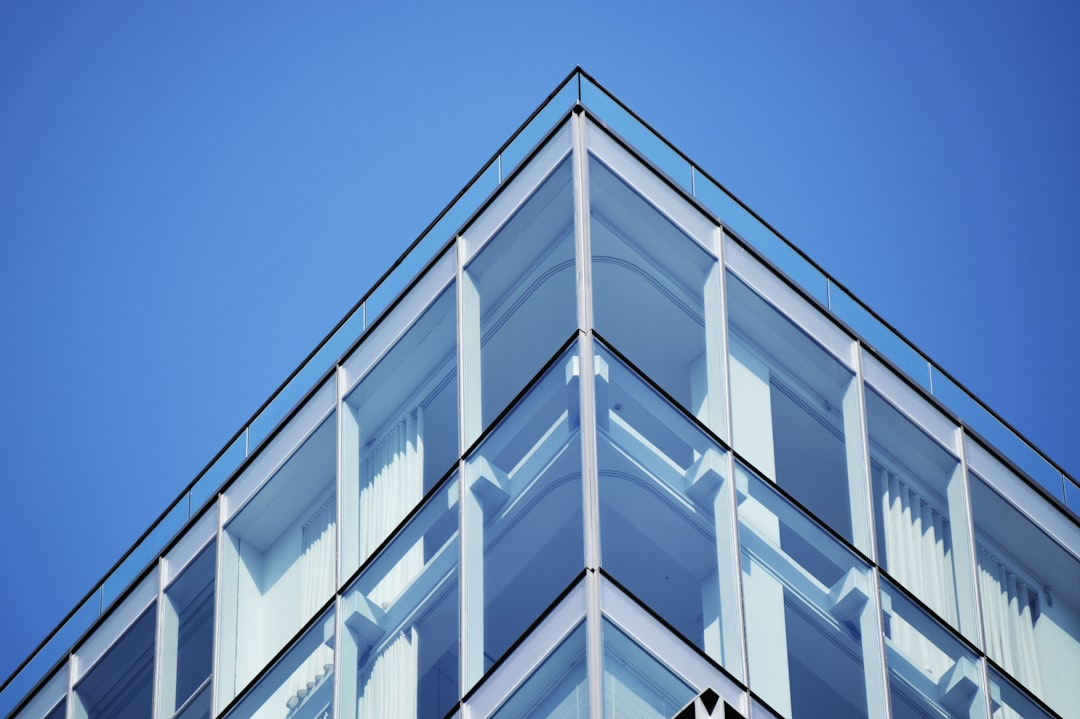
(215, 663)
(733, 495)
(594, 648)
(339, 478)
(875, 585)
(338, 675)
(159, 643)
(459, 269)
(340, 380)
(973, 558)
(69, 697)
(868, 476)
(869, 523)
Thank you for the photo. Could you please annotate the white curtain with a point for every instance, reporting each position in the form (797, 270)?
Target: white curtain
(1010, 609)
(317, 582)
(391, 480)
(388, 688)
(917, 545)
(391, 485)
(919, 555)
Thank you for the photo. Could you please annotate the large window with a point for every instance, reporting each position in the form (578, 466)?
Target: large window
(519, 298)
(665, 511)
(523, 516)
(400, 642)
(657, 293)
(921, 517)
(188, 640)
(278, 564)
(795, 410)
(120, 686)
(400, 424)
(299, 685)
(931, 672)
(811, 622)
(1028, 585)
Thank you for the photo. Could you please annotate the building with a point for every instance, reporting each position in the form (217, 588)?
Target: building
(601, 444)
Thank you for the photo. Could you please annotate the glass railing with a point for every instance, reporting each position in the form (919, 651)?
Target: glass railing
(873, 331)
(577, 88)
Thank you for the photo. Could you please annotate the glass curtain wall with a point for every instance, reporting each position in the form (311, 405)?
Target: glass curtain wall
(278, 565)
(922, 517)
(450, 443)
(1029, 587)
(518, 293)
(665, 511)
(399, 644)
(400, 421)
(523, 521)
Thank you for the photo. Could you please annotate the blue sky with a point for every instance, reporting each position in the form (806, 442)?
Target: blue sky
(193, 194)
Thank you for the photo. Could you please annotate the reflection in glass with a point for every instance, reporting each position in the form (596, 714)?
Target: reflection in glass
(931, 673)
(1008, 702)
(400, 433)
(519, 300)
(795, 412)
(523, 516)
(921, 516)
(636, 684)
(657, 295)
(300, 685)
(1030, 594)
(665, 528)
(188, 640)
(120, 685)
(400, 646)
(278, 563)
(811, 626)
(556, 689)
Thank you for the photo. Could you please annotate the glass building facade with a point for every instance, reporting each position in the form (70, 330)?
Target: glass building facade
(601, 444)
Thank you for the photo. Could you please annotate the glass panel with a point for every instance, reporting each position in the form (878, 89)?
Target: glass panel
(519, 297)
(523, 516)
(215, 475)
(811, 623)
(931, 673)
(188, 640)
(288, 397)
(400, 648)
(555, 109)
(59, 712)
(795, 413)
(558, 688)
(636, 684)
(1008, 702)
(1001, 437)
(300, 685)
(54, 650)
(144, 552)
(665, 514)
(657, 295)
(880, 337)
(756, 234)
(121, 684)
(400, 430)
(1072, 494)
(636, 134)
(450, 223)
(51, 700)
(921, 520)
(277, 561)
(1030, 599)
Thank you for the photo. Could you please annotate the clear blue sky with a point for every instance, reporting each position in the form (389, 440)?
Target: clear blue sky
(192, 194)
